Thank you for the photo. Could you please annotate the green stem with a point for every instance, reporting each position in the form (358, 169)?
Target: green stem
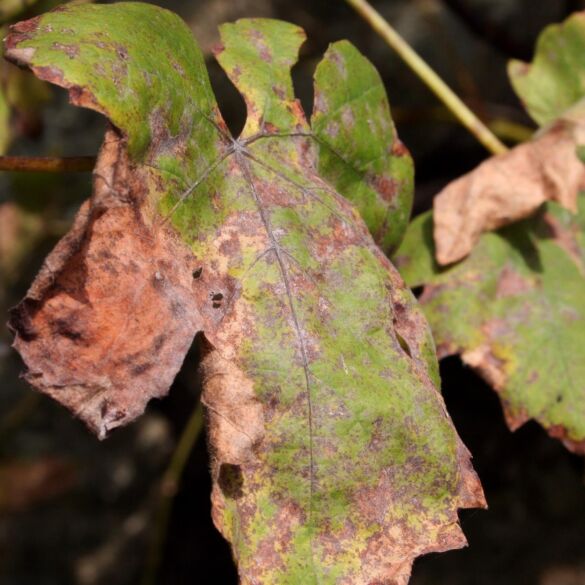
(169, 486)
(428, 76)
(46, 164)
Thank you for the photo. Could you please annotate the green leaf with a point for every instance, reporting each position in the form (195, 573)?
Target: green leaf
(555, 80)
(359, 150)
(264, 82)
(515, 311)
(333, 456)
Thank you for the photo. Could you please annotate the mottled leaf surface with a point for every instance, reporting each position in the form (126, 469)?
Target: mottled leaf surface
(357, 148)
(359, 151)
(555, 80)
(515, 310)
(334, 461)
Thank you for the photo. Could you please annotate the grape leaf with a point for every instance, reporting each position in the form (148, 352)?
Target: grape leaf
(333, 458)
(512, 186)
(513, 307)
(515, 310)
(555, 81)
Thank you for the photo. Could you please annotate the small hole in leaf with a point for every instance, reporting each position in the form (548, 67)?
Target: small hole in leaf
(197, 272)
(216, 300)
(230, 480)
(403, 344)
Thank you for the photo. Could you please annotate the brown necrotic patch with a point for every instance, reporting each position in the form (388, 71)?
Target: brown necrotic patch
(71, 51)
(511, 283)
(107, 322)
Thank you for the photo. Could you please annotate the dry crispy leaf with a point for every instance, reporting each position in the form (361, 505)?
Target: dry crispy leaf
(334, 460)
(509, 187)
(107, 322)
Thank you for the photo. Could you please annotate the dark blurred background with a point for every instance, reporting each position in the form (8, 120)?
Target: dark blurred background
(76, 511)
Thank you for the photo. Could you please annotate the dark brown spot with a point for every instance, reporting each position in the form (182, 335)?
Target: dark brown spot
(157, 280)
(141, 369)
(385, 186)
(511, 283)
(66, 327)
(279, 91)
(398, 149)
(158, 342)
(269, 127)
(23, 28)
(71, 51)
(122, 53)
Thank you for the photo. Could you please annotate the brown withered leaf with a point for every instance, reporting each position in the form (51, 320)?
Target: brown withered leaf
(333, 458)
(100, 329)
(509, 187)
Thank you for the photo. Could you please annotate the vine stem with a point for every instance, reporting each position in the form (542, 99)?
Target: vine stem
(169, 486)
(45, 164)
(428, 76)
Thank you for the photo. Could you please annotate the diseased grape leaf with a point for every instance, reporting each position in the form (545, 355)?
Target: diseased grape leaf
(555, 80)
(515, 311)
(333, 458)
(512, 186)
(359, 152)
(515, 307)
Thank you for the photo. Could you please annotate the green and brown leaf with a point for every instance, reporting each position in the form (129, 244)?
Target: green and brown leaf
(515, 310)
(514, 306)
(334, 460)
(512, 186)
